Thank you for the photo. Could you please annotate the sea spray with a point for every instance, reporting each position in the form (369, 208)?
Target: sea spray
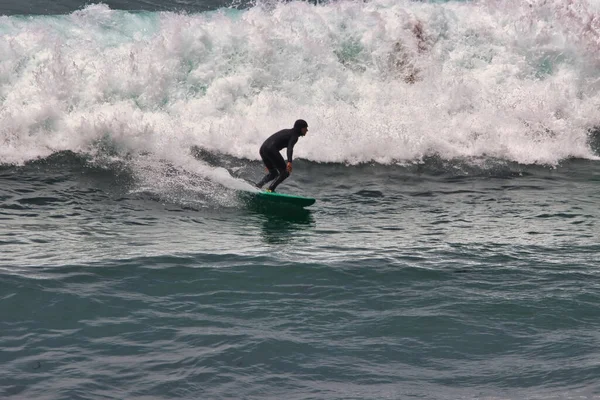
(381, 81)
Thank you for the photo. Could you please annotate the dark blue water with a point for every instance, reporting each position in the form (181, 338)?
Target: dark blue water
(37, 7)
(452, 252)
(425, 284)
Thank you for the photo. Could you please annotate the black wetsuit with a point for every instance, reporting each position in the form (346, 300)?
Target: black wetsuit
(269, 152)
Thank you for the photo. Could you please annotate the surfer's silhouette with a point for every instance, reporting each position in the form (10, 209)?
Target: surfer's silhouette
(269, 152)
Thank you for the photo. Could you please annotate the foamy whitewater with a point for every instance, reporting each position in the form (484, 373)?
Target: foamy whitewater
(384, 81)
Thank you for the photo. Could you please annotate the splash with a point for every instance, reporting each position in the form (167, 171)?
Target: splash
(384, 81)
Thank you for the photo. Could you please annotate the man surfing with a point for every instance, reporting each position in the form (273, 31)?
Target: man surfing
(269, 152)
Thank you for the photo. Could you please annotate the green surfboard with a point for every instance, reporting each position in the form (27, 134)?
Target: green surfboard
(282, 199)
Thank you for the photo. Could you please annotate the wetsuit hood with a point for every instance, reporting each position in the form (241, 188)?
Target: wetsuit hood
(299, 124)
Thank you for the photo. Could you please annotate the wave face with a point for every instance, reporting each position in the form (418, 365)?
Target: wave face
(383, 81)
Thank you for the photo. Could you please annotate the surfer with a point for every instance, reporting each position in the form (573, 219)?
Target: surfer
(271, 156)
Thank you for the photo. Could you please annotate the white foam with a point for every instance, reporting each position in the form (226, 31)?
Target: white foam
(385, 81)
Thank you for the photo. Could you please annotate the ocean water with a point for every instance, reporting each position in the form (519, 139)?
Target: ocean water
(452, 252)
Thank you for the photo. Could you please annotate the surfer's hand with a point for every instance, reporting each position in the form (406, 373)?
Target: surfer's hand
(289, 167)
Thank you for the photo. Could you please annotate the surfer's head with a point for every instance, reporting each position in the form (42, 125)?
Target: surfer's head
(301, 126)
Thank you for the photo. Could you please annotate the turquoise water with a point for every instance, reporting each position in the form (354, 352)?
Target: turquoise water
(397, 283)
(452, 251)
